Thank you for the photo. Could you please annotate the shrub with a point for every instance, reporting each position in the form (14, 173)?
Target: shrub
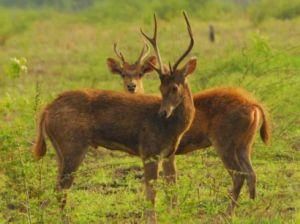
(260, 10)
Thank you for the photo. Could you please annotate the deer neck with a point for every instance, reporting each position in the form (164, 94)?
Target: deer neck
(181, 120)
(184, 113)
(141, 88)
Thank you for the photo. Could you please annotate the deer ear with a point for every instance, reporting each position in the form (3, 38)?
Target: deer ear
(189, 67)
(114, 66)
(148, 65)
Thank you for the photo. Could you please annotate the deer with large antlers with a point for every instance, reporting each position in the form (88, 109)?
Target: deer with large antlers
(146, 126)
(227, 119)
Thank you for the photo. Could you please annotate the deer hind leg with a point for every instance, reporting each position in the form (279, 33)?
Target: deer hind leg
(231, 164)
(70, 156)
(151, 174)
(244, 153)
(169, 172)
(69, 166)
(245, 161)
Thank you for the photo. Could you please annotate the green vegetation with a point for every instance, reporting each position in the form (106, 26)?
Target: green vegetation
(277, 9)
(257, 48)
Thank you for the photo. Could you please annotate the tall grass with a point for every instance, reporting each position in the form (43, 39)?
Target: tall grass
(281, 9)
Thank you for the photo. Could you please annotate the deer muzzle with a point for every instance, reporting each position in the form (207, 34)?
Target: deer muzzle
(131, 87)
(165, 111)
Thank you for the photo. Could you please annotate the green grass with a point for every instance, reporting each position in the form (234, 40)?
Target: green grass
(68, 51)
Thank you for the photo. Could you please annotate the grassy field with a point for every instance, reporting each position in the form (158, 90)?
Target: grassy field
(67, 50)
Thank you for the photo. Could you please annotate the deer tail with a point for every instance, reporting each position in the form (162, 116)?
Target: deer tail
(39, 149)
(265, 129)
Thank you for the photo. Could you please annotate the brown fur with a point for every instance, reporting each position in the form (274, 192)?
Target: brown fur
(225, 111)
(40, 145)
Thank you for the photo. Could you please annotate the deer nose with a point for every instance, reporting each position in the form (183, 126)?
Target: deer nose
(163, 114)
(131, 87)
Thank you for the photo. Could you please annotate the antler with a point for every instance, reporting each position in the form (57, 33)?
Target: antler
(153, 42)
(191, 42)
(118, 53)
(143, 54)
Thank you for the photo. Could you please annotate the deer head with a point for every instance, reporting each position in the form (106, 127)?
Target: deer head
(173, 79)
(132, 74)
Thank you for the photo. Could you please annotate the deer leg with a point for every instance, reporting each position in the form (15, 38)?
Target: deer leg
(70, 157)
(238, 181)
(64, 181)
(151, 174)
(61, 196)
(235, 171)
(169, 171)
(245, 161)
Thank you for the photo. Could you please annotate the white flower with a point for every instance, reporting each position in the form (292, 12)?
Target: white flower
(24, 68)
(15, 60)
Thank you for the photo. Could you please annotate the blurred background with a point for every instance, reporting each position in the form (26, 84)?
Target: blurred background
(50, 46)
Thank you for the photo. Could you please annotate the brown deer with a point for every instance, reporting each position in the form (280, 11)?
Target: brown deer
(132, 74)
(146, 126)
(227, 119)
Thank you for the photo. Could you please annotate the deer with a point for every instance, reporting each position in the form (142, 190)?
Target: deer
(146, 126)
(132, 73)
(227, 119)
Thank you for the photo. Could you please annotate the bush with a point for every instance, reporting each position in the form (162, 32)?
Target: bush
(133, 10)
(257, 59)
(16, 21)
(16, 67)
(260, 10)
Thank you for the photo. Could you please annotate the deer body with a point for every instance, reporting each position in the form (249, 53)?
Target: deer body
(116, 121)
(223, 114)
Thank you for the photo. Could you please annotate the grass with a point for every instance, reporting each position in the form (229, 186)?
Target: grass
(67, 51)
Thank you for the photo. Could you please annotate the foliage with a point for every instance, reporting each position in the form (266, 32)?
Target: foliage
(257, 58)
(260, 10)
(16, 67)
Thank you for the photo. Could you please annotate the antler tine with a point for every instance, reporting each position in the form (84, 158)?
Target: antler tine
(143, 54)
(153, 42)
(190, 45)
(170, 68)
(118, 53)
